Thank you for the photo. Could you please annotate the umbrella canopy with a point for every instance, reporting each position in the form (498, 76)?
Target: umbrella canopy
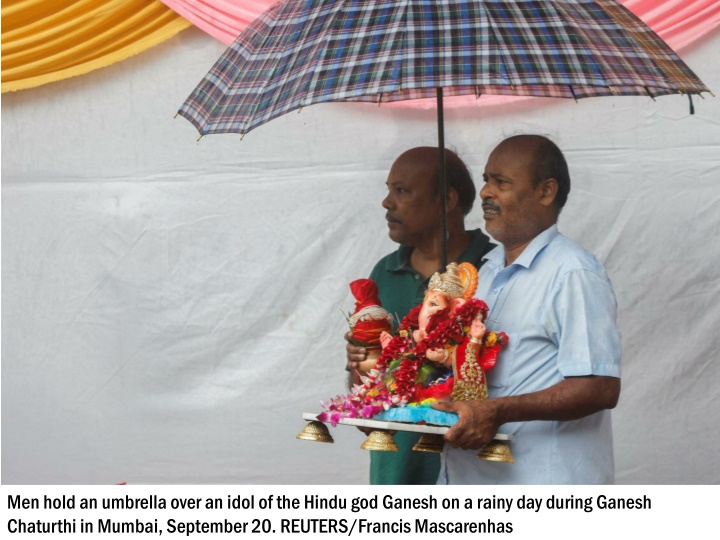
(301, 52)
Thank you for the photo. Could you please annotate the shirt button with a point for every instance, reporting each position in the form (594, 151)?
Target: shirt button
(495, 291)
(417, 276)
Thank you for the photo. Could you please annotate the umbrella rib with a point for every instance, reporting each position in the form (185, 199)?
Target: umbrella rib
(576, 34)
(572, 91)
(301, 76)
(656, 49)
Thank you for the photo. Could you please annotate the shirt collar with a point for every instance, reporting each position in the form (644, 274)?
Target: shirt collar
(478, 243)
(497, 256)
(401, 259)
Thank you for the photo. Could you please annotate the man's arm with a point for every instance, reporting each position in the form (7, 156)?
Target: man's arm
(570, 399)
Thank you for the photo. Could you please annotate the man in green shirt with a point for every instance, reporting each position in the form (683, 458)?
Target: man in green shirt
(413, 205)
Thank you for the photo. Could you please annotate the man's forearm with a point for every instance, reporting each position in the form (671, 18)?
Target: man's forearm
(570, 399)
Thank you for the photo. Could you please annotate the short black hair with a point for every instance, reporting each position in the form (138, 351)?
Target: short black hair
(550, 163)
(458, 178)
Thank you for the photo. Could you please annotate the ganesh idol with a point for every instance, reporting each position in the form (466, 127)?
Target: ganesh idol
(440, 352)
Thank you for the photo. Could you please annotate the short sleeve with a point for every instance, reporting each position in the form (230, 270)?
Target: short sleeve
(583, 322)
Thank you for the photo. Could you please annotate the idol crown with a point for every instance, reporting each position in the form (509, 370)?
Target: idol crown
(458, 281)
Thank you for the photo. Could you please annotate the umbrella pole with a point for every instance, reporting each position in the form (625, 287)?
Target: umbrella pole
(443, 176)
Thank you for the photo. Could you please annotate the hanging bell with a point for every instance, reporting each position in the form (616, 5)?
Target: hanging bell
(496, 451)
(430, 442)
(382, 441)
(315, 431)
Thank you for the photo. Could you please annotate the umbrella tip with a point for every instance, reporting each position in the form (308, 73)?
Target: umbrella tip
(176, 114)
(573, 93)
(200, 137)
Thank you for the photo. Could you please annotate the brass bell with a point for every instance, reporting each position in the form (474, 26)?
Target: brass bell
(381, 441)
(315, 431)
(430, 442)
(496, 451)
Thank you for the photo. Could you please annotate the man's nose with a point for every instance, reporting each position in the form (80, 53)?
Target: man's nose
(485, 191)
(387, 202)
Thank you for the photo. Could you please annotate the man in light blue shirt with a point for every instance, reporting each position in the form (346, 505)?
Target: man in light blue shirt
(555, 381)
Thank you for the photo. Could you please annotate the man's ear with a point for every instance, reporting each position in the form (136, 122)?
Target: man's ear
(548, 191)
(452, 199)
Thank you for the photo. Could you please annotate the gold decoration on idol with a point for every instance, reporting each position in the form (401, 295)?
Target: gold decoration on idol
(458, 281)
(315, 431)
(470, 384)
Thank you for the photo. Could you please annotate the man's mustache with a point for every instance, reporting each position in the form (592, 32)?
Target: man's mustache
(489, 204)
(392, 217)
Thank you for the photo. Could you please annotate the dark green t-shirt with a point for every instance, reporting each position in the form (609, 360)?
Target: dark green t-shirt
(402, 288)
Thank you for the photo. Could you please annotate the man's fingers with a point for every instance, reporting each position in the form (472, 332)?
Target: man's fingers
(355, 358)
(452, 436)
(351, 348)
(355, 350)
(355, 355)
(446, 406)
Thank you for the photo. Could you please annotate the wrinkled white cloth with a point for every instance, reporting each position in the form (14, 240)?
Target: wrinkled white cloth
(170, 308)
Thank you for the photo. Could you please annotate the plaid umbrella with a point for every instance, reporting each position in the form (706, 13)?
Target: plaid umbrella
(301, 52)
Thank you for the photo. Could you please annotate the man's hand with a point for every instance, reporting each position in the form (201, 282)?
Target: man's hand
(477, 425)
(570, 399)
(355, 354)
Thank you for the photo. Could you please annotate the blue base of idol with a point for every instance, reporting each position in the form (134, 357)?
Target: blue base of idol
(418, 414)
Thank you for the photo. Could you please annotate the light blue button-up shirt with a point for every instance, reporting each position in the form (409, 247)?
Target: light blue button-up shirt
(557, 306)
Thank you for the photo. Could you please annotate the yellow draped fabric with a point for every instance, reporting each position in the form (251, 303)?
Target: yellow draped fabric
(50, 40)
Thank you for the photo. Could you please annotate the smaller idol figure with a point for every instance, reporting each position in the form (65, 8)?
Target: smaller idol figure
(368, 322)
(441, 351)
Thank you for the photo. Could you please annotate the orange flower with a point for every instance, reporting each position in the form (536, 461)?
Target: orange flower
(490, 339)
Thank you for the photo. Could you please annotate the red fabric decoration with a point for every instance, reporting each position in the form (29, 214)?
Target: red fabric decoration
(368, 332)
(365, 292)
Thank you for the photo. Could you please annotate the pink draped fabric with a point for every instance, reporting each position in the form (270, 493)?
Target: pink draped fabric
(678, 22)
(222, 19)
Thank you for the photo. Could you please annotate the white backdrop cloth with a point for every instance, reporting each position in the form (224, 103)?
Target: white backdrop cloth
(170, 308)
